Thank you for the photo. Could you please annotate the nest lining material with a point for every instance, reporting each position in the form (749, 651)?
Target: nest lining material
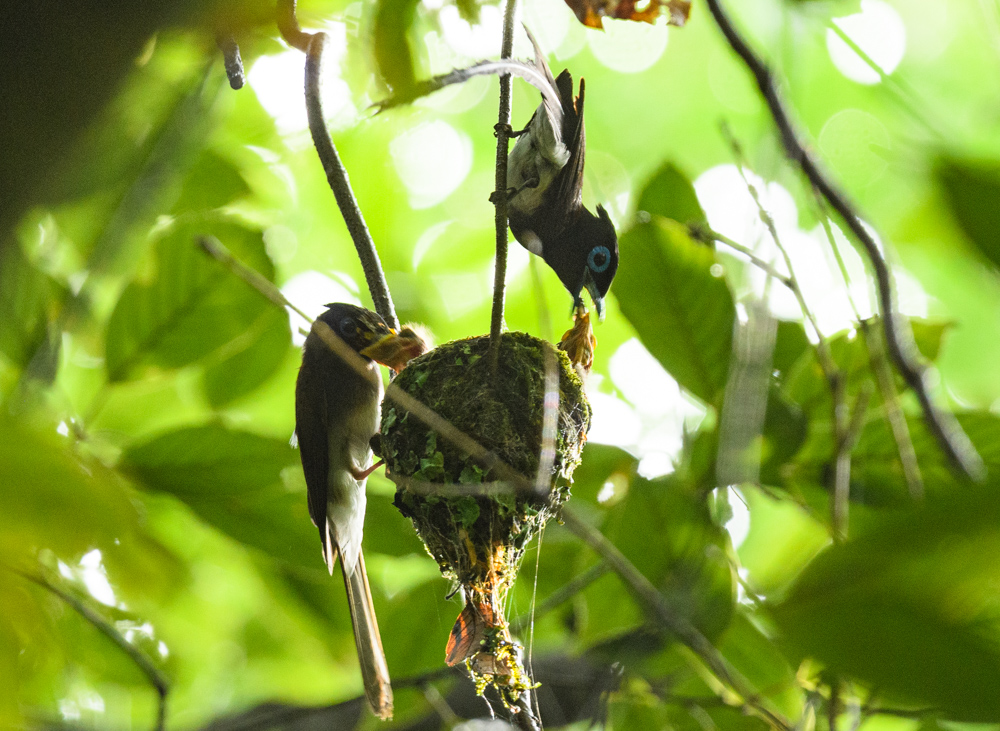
(479, 540)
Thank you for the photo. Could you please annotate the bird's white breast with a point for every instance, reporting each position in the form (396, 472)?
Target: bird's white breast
(350, 444)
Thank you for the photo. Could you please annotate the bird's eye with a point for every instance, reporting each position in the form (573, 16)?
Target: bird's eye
(348, 327)
(599, 259)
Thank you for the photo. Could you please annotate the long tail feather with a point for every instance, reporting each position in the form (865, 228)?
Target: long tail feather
(374, 670)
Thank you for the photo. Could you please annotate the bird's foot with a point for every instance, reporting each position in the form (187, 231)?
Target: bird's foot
(360, 475)
(510, 192)
(503, 127)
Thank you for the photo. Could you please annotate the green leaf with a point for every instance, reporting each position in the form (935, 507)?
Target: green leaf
(928, 336)
(684, 315)
(972, 189)
(665, 529)
(877, 476)
(232, 480)
(192, 306)
(253, 358)
(670, 194)
(211, 182)
(50, 498)
(910, 606)
(209, 460)
(23, 306)
(391, 43)
(790, 343)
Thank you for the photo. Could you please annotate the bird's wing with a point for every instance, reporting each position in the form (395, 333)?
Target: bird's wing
(311, 428)
(571, 185)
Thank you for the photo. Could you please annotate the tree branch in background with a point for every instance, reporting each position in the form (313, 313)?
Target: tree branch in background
(686, 632)
(233, 60)
(902, 350)
(106, 628)
(336, 175)
(500, 192)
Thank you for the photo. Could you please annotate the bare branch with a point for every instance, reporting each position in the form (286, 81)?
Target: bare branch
(500, 193)
(686, 632)
(336, 176)
(902, 350)
(214, 248)
(155, 677)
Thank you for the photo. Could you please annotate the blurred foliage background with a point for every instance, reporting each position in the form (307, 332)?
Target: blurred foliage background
(152, 510)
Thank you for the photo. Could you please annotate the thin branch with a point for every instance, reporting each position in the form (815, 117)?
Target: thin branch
(524, 717)
(288, 24)
(840, 493)
(500, 192)
(902, 91)
(155, 677)
(703, 233)
(686, 632)
(847, 439)
(214, 248)
(894, 412)
(902, 350)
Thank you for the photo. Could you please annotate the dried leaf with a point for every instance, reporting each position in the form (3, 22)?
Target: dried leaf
(592, 12)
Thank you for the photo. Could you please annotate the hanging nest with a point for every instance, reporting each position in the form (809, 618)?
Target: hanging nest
(478, 535)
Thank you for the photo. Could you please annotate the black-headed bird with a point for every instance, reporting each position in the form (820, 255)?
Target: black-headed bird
(336, 415)
(545, 193)
(545, 178)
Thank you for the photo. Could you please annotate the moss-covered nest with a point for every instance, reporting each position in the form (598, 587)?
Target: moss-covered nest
(478, 539)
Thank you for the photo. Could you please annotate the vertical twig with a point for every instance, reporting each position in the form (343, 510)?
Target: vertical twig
(840, 492)
(500, 194)
(899, 339)
(155, 677)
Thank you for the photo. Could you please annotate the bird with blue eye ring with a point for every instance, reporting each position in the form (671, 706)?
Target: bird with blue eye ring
(545, 193)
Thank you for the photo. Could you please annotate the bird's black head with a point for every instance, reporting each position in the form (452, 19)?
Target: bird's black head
(358, 327)
(598, 242)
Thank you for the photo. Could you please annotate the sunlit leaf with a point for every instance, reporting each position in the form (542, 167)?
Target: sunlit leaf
(670, 194)
(683, 313)
(972, 189)
(192, 306)
(592, 12)
(921, 589)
